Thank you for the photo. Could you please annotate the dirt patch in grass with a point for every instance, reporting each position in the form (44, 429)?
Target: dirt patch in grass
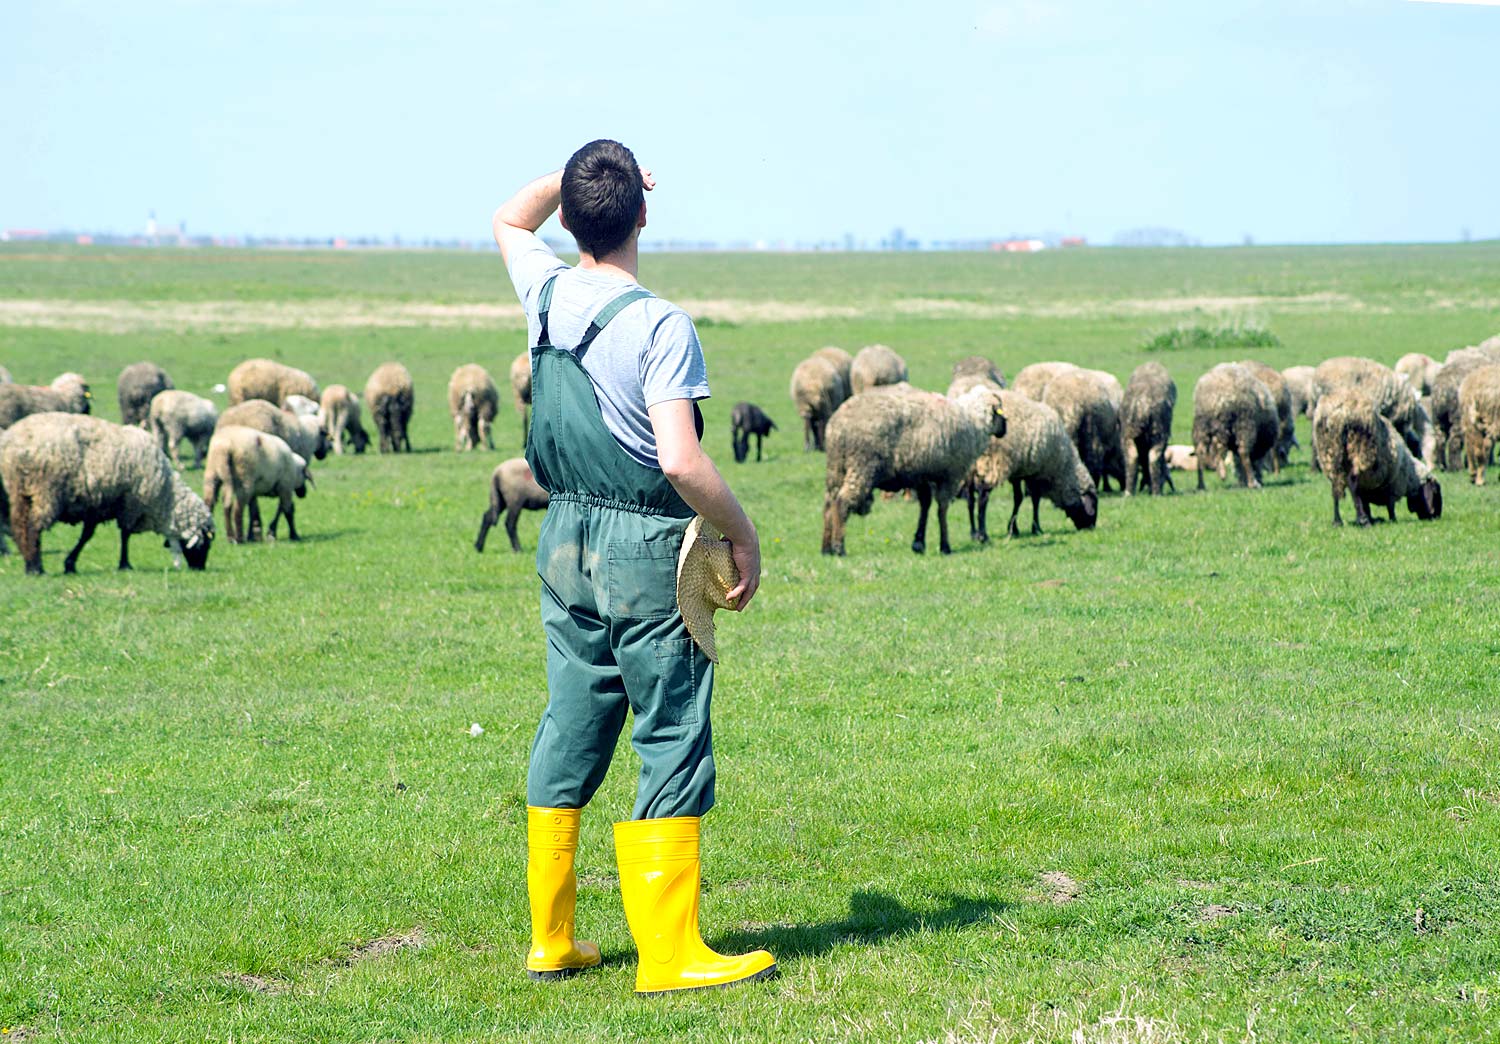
(1059, 888)
(385, 946)
(258, 983)
(16, 1034)
(1214, 911)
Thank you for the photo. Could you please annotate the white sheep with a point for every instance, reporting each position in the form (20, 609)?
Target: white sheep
(243, 464)
(176, 415)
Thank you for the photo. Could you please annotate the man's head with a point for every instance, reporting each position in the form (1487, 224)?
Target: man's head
(602, 196)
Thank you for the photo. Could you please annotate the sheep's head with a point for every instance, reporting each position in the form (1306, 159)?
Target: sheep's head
(997, 419)
(1085, 513)
(361, 439)
(80, 399)
(195, 547)
(1427, 502)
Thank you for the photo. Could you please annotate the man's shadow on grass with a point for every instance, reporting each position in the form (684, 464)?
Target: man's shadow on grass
(873, 917)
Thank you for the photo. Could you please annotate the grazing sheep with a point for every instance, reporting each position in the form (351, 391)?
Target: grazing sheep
(4, 375)
(513, 489)
(1418, 370)
(1447, 416)
(244, 464)
(341, 416)
(1032, 380)
(1286, 417)
(1082, 402)
(68, 393)
(304, 434)
(390, 395)
(1299, 385)
(1361, 450)
(748, 419)
(302, 406)
(817, 391)
(138, 384)
(1394, 397)
(1181, 458)
(1479, 406)
(1233, 414)
(873, 366)
(904, 440)
(177, 415)
(962, 383)
(473, 401)
(978, 366)
(1038, 459)
(59, 467)
(1111, 385)
(843, 363)
(520, 386)
(1146, 425)
(269, 380)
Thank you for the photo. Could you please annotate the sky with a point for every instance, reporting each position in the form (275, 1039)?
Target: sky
(1309, 121)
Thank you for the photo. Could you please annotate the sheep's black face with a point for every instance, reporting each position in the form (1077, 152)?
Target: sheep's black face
(997, 423)
(197, 555)
(301, 490)
(741, 448)
(1427, 502)
(1086, 512)
(361, 440)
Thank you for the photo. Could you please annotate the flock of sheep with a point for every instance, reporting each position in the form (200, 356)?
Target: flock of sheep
(1064, 432)
(1059, 431)
(58, 463)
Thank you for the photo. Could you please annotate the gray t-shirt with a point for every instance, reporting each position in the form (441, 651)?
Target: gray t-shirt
(648, 354)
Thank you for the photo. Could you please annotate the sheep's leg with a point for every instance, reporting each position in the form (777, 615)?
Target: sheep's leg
(71, 562)
(835, 515)
(1132, 460)
(1036, 513)
(984, 506)
(807, 435)
(289, 509)
(1012, 529)
(512, 517)
(124, 548)
(1361, 506)
(1390, 508)
(1337, 496)
(1201, 487)
(27, 534)
(943, 501)
(256, 532)
(1249, 470)
(924, 498)
(758, 439)
(486, 433)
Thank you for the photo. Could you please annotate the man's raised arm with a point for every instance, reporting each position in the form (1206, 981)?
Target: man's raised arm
(525, 212)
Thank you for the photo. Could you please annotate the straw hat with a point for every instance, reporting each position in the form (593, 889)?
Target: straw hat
(705, 574)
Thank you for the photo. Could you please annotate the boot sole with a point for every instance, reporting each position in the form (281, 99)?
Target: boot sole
(765, 973)
(557, 975)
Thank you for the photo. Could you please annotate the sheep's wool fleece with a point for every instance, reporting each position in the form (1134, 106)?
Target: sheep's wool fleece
(74, 467)
(1035, 448)
(1354, 439)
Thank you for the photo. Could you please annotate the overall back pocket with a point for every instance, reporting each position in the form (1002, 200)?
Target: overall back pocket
(643, 579)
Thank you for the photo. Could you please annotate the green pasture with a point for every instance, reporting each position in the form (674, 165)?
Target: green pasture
(1212, 771)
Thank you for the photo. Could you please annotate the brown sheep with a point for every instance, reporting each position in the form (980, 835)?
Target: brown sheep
(1393, 397)
(1032, 380)
(270, 380)
(1286, 422)
(842, 362)
(68, 393)
(1092, 421)
(873, 366)
(245, 464)
(473, 400)
(520, 387)
(817, 391)
(341, 416)
(513, 489)
(137, 386)
(1479, 406)
(1038, 459)
(1361, 451)
(390, 396)
(1447, 416)
(1233, 415)
(1146, 426)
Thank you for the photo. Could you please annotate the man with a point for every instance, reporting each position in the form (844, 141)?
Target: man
(616, 375)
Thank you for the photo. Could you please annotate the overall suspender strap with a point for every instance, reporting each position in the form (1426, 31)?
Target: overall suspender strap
(543, 305)
(607, 313)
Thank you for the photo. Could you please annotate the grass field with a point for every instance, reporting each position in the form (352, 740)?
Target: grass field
(1212, 771)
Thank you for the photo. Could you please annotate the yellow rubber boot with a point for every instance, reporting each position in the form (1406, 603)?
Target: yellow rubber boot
(551, 840)
(659, 880)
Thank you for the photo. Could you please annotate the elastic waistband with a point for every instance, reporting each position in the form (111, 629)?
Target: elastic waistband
(569, 496)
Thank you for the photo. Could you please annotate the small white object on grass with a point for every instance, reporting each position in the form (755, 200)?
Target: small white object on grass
(476, 729)
(220, 389)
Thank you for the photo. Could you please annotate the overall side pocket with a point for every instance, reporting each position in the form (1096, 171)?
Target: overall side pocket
(642, 581)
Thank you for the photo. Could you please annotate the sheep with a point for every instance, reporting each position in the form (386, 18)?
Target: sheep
(1479, 407)
(1146, 425)
(177, 415)
(1032, 380)
(341, 416)
(513, 489)
(1394, 398)
(817, 391)
(1082, 402)
(748, 419)
(244, 464)
(1361, 450)
(1038, 459)
(472, 400)
(269, 380)
(69, 468)
(390, 395)
(1233, 414)
(1299, 385)
(1447, 416)
(305, 435)
(520, 386)
(842, 363)
(1286, 423)
(302, 406)
(68, 393)
(904, 440)
(1181, 458)
(4, 375)
(1111, 385)
(978, 366)
(1418, 370)
(875, 365)
(138, 384)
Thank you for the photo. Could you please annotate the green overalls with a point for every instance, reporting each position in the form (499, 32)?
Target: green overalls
(607, 556)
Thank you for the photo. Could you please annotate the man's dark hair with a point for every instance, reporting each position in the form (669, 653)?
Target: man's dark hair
(601, 196)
